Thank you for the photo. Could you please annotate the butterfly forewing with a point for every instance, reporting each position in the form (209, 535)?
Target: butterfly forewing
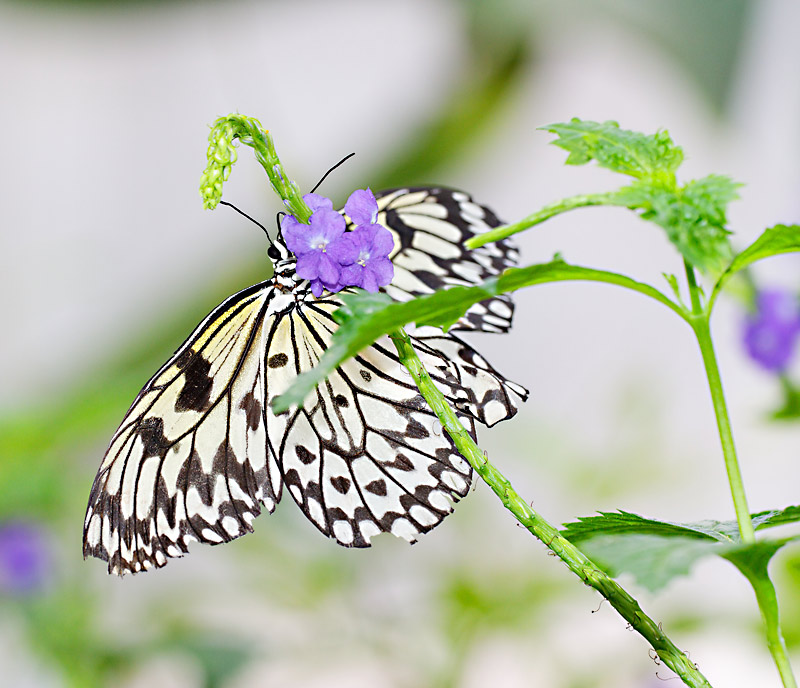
(200, 451)
(189, 461)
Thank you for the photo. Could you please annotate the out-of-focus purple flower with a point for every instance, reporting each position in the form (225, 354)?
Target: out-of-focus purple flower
(370, 249)
(771, 332)
(23, 557)
(331, 258)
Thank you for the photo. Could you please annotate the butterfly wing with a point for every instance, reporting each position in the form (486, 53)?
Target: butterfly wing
(365, 454)
(189, 461)
(430, 226)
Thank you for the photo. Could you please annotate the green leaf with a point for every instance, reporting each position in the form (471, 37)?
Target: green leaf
(653, 157)
(752, 560)
(694, 216)
(652, 560)
(655, 552)
(776, 517)
(365, 317)
(624, 522)
(773, 242)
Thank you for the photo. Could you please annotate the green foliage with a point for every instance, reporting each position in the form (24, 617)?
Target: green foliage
(653, 157)
(774, 241)
(655, 552)
(693, 215)
(365, 317)
(652, 560)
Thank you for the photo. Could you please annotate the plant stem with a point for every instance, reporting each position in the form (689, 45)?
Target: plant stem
(762, 585)
(768, 604)
(545, 213)
(700, 325)
(576, 560)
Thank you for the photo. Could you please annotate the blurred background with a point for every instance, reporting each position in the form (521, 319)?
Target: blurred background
(108, 261)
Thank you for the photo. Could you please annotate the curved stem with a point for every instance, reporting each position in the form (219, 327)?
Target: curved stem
(576, 560)
(545, 213)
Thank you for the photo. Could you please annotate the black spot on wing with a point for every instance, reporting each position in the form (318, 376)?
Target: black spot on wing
(304, 455)
(341, 484)
(252, 409)
(151, 432)
(196, 392)
(278, 360)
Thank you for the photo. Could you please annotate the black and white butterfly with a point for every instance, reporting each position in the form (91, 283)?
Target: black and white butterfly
(200, 450)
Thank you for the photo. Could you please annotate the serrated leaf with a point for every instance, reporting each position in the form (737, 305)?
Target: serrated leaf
(656, 551)
(638, 155)
(625, 522)
(694, 216)
(366, 317)
(774, 241)
(776, 517)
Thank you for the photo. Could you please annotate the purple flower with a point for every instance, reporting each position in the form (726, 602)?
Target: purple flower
(368, 264)
(315, 244)
(370, 247)
(331, 258)
(23, 557)
(771, 332)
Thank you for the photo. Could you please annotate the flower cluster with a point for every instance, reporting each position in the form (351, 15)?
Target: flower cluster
(331, 258)
(771, 332)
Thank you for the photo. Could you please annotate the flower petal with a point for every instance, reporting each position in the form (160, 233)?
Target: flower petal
(382, 269)
(328, 223)
(344, 250)
(317, 288)
(308, 265)
(382, 242)
(328, 270)
(294, 234)
(361, 207)
(369, 280)
(317, 202)
(352, 275)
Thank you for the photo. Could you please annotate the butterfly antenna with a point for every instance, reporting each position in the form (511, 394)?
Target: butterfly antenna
(241, 212)
(279, 215)
(341, 162)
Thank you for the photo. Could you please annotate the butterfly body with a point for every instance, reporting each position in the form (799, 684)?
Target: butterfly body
(201, 452)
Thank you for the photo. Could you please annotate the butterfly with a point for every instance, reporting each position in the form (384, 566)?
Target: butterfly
(200, 452)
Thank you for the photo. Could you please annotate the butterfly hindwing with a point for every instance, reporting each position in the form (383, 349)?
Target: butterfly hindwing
(365, 454)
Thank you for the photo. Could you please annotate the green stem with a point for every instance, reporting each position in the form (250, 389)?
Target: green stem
(762, 585)
(768, 604)
(576, 560)
(540, 216)
(700, 325)
(222, 154)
